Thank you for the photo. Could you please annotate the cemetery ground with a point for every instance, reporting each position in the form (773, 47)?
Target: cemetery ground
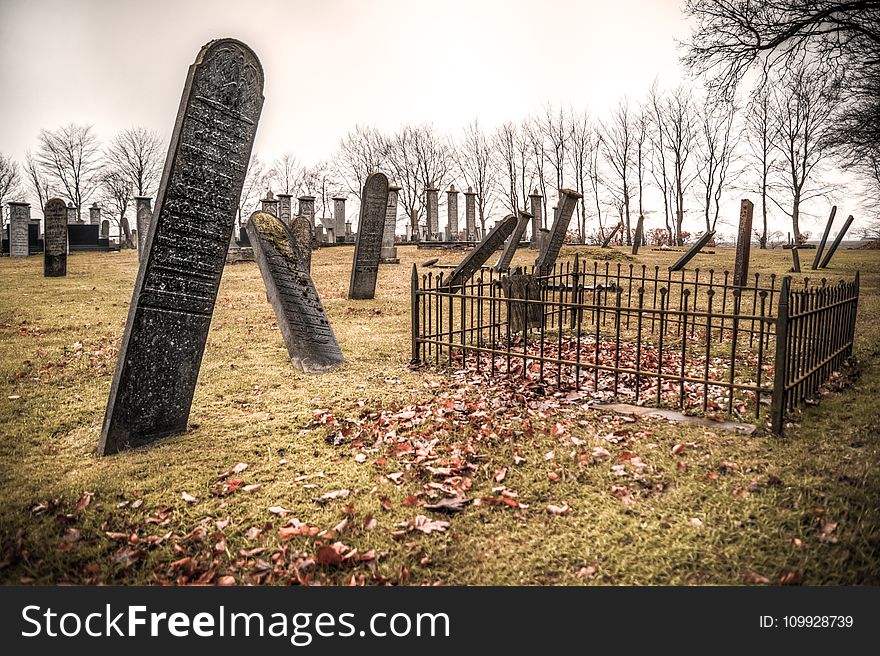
(285, 477)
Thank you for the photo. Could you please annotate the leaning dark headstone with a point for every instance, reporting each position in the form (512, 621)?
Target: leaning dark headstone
(836, 243)
(822, 243)
(368, 247)
(522, 287)
(640, 235)
(304, 325)
(477, 257)
(431, 262)
(143, 216)
(567, 202)
(743, 244)
(611, 235)
(55, 238)
(512, 242)
(185, 248)
(301, 232)
(693, 250)
(795, 260)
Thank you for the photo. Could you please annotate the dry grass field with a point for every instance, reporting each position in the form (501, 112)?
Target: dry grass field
(340, 467)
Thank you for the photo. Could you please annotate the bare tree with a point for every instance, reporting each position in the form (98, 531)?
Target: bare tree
(320, 181)
(660, 172)
(553, 124)
(70, 156)
(802, 107)
(256, 181)
(286, 174)
(137, 155)
(618, 150)
(579, 153)
(677, 120)
(641, 124)
(759, 138)
(533, 138)
(472, 156)
(361, 152)
(595, 178)
(116, 190)
(717, 140)
(10, 180)
(512, 161)
(39, 183)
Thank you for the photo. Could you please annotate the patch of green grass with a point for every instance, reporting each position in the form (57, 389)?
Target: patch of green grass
(803, 507)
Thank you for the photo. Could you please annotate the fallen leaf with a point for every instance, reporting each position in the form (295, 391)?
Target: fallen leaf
(188, 497)
(425, 525)
(559, 510)
(452, 505)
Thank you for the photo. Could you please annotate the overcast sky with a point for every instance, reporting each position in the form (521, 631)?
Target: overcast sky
(330, 64)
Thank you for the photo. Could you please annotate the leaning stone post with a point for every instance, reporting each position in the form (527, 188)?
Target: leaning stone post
(452, 212)
(433, 213)
(388, 254)
(339, 217)
(470, 213)
(144, 210)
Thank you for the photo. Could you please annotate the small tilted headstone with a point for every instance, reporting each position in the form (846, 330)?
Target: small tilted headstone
(368, 247)
(55, 238)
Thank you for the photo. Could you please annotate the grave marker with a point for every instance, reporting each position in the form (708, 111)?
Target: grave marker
(512, 243)
(19, 218)
(307, 334)
(836, 242)
(693, 250)
(389, 250)
(143, 218)
(610, 236)
(825, 234)
(535, 208)
(567, 202)
(470, 213)
(301, 234)
(743, 244)
(368, 246)
(640, 235)
(522, 315)
(55, 238)
(185, 248)
(433, 213)
(477, 257)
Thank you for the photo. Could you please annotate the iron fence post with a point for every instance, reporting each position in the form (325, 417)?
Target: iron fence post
(414, 300)
(777, 411)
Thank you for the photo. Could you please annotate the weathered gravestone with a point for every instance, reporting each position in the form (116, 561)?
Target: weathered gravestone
(143, 218)
(512, 242)
(692, 251)
(368, 247)
(744, 244)
(818, 257)
(19, 239)
(535, 207)
(567, 202)
(304, 325)
(105, 229)
(185, 248)
(477, 257)
(610, 236)
(389, 250)
(55, 238)
(301, 232)
(640, 235)
(836, 243)
(519, 288)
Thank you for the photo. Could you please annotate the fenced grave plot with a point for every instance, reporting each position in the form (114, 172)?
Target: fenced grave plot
(686, 340)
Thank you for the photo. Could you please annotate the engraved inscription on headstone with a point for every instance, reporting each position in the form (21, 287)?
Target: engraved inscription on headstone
(513, 242)
(368, 247)
(301, 234)
(304, 326)
(477, 257)
(185, 248)
(640, 235)
(692, 251)
(19, 217)
(567, 202)
(55, 238)
(388, 254)
(743, 244)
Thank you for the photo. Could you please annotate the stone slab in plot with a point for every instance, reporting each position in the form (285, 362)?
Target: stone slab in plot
(836, 243)
(143, 217)
(744, 244)
(519, 287)
(677, 417)
(301, 233)
(55, 238)
(368, 247)
(824, 240)
(640, 235)
(513, 241)
(567, 202)
(185, 248)
(477, 257)
(304, 325)
(692, 251)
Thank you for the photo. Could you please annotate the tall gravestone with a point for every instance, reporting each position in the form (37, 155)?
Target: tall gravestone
(470, 213)
(95, 214)
(818, 257)
(185, 248)
(19, 218)
(368, 246)
(143, 218)
(433, 211)
(301, 232)
(339, 217)
(307, 208)
(55, 238)
(269, 203)
(285, 207)
(836, 243)
(640, 235)
(307, 334)
(105, 229)
(388, 254)
(477, 257)
(567, 202)
(72, 214)
(512, 242)
(607, 240)
(743, 244)
(452, 213)
(536, 208)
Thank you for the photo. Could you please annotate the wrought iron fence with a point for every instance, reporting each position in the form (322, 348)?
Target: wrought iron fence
(690, 339)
